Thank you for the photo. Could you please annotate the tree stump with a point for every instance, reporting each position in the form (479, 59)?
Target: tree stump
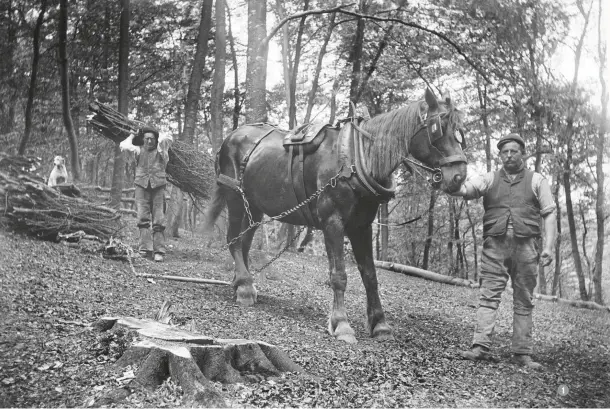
(193, 361)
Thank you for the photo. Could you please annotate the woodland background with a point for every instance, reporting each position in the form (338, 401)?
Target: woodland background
(197, 70)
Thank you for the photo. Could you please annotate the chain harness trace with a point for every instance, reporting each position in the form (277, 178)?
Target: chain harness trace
(252, 224)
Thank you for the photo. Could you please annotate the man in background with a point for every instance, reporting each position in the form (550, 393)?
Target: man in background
(514, 199)
(150, 181)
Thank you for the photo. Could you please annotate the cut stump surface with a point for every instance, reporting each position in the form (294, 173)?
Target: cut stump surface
(192, 360)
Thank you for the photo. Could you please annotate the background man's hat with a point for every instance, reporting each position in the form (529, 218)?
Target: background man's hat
(511, 137)
(138, 140)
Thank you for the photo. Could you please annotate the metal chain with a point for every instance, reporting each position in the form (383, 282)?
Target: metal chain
(278, 255)
(252, 224)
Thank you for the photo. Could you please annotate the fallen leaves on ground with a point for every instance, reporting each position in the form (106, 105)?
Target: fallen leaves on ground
(51, 357)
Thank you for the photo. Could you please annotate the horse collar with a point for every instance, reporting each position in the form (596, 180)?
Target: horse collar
(362, 172)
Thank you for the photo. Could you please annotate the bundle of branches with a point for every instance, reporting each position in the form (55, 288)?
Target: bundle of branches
(111, 123)
(188, 169)
(29, 205)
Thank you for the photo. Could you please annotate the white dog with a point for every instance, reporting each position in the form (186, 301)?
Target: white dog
(59, 174)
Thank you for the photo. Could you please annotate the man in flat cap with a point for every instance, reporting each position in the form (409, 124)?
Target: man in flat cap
(515, 199)
(150, 181)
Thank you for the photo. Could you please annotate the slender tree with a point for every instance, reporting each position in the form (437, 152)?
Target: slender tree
(311, 95)
(33, 76)
(64, 73)
(599, 170)
(256, 70)
(175, 208)
(568, 139)
(218, 84)
(118, 172)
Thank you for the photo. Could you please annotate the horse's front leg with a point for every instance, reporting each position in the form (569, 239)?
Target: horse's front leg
(338, 326)
(362, 244)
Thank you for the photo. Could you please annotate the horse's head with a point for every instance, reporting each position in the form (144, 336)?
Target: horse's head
(438, 143)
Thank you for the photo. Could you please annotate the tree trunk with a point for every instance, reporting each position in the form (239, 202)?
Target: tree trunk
(256, 70)
(292, 108)
(483, 104)
(451, 206)
(218, 86)
(286, 56)
(557, 275)
(599, 170)
(356, 57)
(192, 360)
(311, 95)
(64, 73)
(430, 229)
(7, 68)
(369, 73)
(236, 95)
(569, 133)
(475, 250)
(175, 211)
(32, 90)
(118, 172)
(194, 90)
(385, 234)
(572, 225)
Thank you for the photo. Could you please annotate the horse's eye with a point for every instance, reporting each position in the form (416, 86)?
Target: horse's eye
(459, 136)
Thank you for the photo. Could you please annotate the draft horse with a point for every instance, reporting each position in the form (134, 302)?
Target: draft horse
(350, 170)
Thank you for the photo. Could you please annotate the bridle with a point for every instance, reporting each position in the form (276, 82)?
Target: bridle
(434, 123)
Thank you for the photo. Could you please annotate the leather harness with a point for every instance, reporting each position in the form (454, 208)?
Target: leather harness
(351, 155)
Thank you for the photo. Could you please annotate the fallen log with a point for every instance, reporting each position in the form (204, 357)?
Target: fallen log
(590, 305)
(193, 361)
(184, 279)
(421, 273)
(432, 276)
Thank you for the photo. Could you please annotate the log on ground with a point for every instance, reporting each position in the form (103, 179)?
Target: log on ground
(421, 273)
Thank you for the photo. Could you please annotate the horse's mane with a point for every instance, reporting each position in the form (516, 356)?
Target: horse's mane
(391, 133)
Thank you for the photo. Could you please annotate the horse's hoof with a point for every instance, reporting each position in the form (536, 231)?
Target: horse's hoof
(246, 296)
(348, 338)
(382, 332)
(343, 332)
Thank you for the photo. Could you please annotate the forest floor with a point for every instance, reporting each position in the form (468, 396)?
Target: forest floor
(50, 358)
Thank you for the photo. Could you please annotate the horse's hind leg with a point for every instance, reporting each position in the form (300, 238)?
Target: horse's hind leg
(338, 326)
(243, 282)
(247, 238)
(362, 244)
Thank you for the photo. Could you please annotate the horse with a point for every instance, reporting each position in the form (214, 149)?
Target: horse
(334, 184)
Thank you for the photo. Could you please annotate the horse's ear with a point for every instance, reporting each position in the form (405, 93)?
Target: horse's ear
(447, 97)
(431, 100)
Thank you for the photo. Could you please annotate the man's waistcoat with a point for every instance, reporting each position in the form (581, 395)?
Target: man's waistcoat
(514, 198)
(150, 168)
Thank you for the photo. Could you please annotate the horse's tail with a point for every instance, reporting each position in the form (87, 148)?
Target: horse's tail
(216, 206)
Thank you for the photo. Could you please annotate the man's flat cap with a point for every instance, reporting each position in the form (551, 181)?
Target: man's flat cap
(511, 137)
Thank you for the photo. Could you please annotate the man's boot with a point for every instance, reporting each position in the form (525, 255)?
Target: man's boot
(477, 353)
(146, 242)
(526, 361)
(522, 341)
(159, 245)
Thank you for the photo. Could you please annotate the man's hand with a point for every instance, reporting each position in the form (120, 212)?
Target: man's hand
(165, 142)
(127, 145)
(546, 257)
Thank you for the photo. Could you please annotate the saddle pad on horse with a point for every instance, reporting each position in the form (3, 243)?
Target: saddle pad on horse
(309, 135)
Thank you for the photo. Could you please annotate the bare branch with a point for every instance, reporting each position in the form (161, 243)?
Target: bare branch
(299, 15)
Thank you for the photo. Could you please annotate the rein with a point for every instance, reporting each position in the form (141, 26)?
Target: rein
(437, 175)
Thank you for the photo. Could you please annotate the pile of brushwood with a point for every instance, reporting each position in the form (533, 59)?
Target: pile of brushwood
(29, 205)
(188, 169)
